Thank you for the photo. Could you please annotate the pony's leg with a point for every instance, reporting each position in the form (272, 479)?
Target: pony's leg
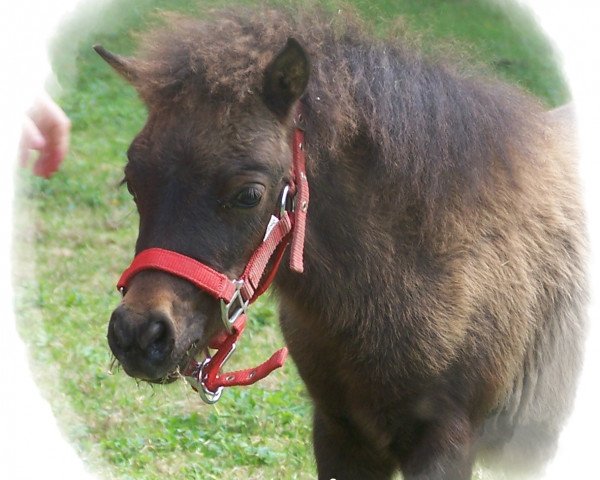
(443, 452)
(342, 454)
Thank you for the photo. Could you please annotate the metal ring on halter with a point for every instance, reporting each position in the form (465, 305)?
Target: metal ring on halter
(206, 395)
(284, 201)
(198, 378)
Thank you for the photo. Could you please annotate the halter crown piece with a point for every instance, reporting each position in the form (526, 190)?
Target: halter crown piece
(286, 226)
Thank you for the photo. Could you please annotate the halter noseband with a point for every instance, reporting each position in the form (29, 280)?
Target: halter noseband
(288, 225)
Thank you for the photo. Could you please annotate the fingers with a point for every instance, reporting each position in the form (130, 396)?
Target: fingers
(49, 162)
(31, 139)
(54, 126)
(56, 133)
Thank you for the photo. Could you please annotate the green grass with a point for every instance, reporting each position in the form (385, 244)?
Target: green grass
(82, 228)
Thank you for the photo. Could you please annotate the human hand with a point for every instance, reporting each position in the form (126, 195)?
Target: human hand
(46, 129)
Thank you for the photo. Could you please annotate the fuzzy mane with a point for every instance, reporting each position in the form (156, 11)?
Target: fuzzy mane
(430, 127)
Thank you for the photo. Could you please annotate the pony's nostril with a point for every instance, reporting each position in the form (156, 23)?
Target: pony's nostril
(121, 330)
(156, 339)
(153, 333)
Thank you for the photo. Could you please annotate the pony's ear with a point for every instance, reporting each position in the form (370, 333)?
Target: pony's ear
(286, 78)
(122, 65)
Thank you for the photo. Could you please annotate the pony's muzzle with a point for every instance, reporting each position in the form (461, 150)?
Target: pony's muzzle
(143, 344)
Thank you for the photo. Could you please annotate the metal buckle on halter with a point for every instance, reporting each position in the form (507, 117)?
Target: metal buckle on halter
(232, 310)
(196, 379)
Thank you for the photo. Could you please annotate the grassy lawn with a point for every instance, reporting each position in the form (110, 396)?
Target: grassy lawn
(82, 228)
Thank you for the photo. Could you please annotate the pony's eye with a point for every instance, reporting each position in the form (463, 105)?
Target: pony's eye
(248, 197)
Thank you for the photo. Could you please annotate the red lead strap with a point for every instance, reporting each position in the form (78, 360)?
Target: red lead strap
(236, 295)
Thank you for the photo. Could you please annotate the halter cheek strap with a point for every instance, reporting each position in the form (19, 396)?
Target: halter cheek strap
(236, 295)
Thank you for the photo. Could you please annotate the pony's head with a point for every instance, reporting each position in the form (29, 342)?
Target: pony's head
(206, 173)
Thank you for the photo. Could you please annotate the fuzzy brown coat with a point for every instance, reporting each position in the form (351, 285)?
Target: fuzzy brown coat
(441, 311)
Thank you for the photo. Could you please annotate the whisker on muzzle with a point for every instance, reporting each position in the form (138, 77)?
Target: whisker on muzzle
(113, 365)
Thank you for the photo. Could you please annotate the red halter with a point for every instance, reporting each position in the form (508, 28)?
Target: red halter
(236, 295)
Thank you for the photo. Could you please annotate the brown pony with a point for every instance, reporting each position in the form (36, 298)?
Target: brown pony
(440, 314)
